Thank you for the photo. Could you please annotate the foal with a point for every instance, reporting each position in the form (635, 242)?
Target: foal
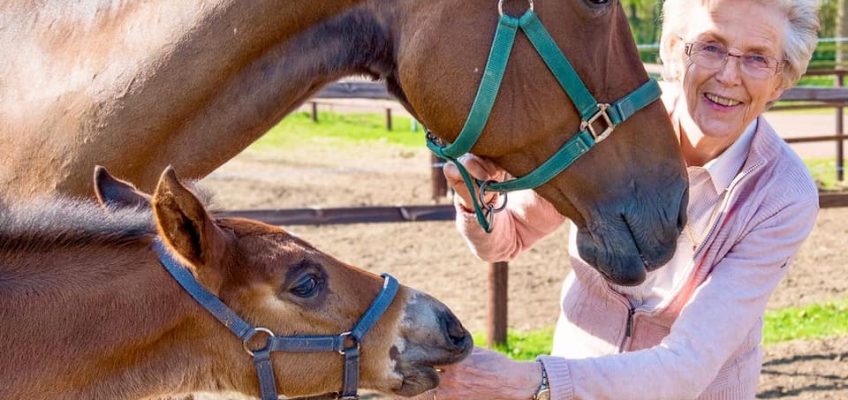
(88, 312)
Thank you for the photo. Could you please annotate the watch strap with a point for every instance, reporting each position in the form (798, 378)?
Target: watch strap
(544, 390)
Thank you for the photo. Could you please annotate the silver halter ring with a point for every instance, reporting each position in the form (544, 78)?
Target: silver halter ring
(481, 196)
(500, 6)
(268, 336)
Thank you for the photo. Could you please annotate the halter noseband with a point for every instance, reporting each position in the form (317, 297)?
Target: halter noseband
(591, 112)
(346, 344)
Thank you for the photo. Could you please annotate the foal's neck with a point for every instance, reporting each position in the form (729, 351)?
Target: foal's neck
(107, 323)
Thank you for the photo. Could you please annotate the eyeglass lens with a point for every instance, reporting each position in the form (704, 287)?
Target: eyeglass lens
(712, 55)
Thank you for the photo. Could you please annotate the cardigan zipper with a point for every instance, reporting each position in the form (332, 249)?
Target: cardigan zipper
(628, 324)
(628, 330)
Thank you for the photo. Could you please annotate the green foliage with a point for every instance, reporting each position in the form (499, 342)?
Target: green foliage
(816, 321)
(644, 18)
(337, 129)
(645, 22)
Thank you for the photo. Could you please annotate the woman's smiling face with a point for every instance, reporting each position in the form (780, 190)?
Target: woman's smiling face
(723, 100)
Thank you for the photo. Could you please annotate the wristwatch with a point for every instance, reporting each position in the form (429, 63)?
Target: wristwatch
(544, 390)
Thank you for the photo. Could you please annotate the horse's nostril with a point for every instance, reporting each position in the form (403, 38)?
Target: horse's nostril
(454, 331)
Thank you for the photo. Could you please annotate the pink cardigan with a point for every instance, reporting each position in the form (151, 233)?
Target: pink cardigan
(703, 342)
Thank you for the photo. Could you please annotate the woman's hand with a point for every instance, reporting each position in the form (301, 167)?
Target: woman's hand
(479, 168)
(488, 375)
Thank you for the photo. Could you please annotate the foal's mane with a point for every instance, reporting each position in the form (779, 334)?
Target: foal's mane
(50, 223)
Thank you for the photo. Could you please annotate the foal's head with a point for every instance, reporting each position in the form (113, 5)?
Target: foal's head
(274, 279)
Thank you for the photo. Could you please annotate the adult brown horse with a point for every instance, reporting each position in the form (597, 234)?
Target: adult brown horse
(135, 86)
(88, 312)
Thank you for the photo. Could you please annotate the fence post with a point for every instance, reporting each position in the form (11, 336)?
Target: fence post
(388, 119)
(840, 155)
(314, 111)
(497, 316)
(438, 182)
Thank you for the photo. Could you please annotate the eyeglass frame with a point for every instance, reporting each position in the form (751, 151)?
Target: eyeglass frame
(780, 63)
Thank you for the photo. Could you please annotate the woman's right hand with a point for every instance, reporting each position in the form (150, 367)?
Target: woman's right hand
(480, 168)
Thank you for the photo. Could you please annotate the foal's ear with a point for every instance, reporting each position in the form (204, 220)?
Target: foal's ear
(113, 192)
(183, 222)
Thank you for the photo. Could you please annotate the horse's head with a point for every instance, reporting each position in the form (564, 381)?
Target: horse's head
(276, 280)
(627, 194)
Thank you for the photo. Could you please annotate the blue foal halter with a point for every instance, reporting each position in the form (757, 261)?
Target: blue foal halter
(591, 112)
(346, 344)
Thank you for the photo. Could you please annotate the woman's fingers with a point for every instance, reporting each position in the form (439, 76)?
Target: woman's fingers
(479, 168)
(487, 375)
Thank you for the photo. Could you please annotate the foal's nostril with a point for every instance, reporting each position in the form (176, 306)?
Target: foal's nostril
(453, 329)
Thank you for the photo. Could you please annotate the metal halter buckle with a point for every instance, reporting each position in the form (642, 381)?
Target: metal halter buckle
(500, 6)
(268, 336)
(343, 347)
(602, 112)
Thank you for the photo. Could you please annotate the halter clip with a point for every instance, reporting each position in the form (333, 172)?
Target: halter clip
(602, 113)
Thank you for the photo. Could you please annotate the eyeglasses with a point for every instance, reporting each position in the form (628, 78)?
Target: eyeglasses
(714, 56)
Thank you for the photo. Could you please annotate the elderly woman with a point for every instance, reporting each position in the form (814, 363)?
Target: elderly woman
(693, 328)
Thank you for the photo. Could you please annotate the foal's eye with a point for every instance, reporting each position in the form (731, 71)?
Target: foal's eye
(598, 2)
(306, 286)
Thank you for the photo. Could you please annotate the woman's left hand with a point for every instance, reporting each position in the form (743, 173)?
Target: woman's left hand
(486, 374)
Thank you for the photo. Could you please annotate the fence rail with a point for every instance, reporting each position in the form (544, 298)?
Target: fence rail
(391, 214)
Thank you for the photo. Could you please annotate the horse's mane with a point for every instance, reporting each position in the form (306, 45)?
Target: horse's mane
(49, 223)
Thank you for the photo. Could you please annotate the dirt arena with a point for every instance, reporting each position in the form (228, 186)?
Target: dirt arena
(431, 256)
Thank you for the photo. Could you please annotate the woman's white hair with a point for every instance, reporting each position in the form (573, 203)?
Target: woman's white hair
(799, 40)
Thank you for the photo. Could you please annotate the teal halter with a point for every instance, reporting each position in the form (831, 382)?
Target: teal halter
(591, 112)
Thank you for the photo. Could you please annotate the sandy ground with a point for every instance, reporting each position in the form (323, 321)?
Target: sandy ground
(431, 256)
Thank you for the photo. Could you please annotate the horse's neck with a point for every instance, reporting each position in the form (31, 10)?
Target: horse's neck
(268, 87)
(155, 74)
(110, 322)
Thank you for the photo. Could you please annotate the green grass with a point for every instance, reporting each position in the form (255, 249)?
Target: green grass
(816, 321)
(817, 81)
(523, 345)
(339, 129)
(812, 322)
(823, 171)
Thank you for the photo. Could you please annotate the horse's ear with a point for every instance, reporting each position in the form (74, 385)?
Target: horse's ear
(113, 192)
(183, 222)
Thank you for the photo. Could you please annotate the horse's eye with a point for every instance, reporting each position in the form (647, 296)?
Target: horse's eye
(307, 286)
(599, 2)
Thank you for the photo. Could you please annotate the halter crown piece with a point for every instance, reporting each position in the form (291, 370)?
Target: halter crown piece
(591, 112)
(346, 344)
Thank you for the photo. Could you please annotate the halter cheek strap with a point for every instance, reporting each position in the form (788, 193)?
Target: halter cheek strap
(591, 112)
(347, 344)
